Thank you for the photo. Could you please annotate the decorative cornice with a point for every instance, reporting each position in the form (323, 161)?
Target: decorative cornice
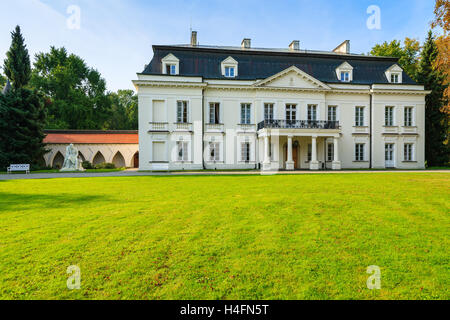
(146, 83)
(401, 92)
(174, 84)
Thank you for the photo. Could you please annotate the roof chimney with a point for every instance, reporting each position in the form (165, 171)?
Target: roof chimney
(294, 46)
(246, 43)
(344, 47)
(194, 38)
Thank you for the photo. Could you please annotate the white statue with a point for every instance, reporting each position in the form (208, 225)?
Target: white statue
(71, 161)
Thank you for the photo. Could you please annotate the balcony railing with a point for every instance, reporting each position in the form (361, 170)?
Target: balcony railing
(214, 127)
(298, 124)
(158, 126)
(183, 126)
(246, 127)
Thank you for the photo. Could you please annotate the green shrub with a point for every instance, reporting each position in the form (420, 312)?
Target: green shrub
(87, 165)
(105, 165)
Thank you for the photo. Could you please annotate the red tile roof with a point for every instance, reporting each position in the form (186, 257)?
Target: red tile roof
(91, 137)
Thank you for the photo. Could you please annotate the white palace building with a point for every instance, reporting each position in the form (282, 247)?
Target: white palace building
(210, 107)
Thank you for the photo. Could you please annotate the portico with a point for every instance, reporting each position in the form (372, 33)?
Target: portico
(292, 148)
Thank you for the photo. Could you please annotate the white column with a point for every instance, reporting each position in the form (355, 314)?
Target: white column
(266, 162)
(289, 162)
(336, 165)
(314, 164)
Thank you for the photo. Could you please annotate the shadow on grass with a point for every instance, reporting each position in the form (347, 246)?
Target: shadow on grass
(16, 201)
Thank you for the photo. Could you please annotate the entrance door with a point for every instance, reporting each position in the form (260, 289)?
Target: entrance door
(295, 156)
(136, 160)
(389, 155)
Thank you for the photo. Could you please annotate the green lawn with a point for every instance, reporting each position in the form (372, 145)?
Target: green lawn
(227, 237)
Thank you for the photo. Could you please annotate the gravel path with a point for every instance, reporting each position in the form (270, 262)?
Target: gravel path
(132, 173)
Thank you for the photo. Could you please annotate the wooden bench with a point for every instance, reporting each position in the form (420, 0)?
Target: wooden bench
(18, 167)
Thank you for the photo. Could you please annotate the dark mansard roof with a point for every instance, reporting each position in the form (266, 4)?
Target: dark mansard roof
(253, 64)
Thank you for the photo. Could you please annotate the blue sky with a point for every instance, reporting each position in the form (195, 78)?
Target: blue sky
(116, 35)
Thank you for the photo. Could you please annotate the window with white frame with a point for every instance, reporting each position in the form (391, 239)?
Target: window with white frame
(395, 78)
(268, 111)
(182, 112)
(214, 151)
(330, 151)
(214, 113)
(408, 117)
(359, 116)
(408, 152)
(309, 152)
(182, 151)
(230, 72)
(359, 151)
(345, 76)
(312, 112)
(171, 69)
(245, 151)
(332, 113)
(246, 113)
(389, 116)
(291, 112)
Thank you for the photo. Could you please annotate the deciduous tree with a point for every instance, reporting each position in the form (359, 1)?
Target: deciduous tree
(408, 54)
(124, 111)
(78, 95)
(442, 20)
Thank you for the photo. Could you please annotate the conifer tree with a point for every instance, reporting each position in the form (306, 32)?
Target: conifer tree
(436, 120)
(17, 65)
(22, 113)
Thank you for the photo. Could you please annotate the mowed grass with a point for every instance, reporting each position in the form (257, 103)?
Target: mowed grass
(227, 237)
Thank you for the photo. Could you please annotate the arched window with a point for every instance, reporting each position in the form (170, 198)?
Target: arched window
(58, 161)
(98, 159)
(119, 160)
(81, 156)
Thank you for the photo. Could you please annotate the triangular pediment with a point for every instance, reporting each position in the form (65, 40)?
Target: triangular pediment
(345, 66)
(292, 77)
(394, 68)
(170, 58)
(229, 60)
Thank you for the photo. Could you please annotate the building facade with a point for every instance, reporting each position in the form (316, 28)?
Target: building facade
(204, 107)
(111, 146)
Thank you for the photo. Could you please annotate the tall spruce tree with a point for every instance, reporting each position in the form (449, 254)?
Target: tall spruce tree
(17, 65)
(22, 113)
(436, 120)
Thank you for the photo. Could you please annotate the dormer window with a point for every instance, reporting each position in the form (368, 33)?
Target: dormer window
(229, 68)
(171, 69)
(344, 72)
(170, 65)
(229, 72)
(345, 76)
(394, 78)
(394, 74)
